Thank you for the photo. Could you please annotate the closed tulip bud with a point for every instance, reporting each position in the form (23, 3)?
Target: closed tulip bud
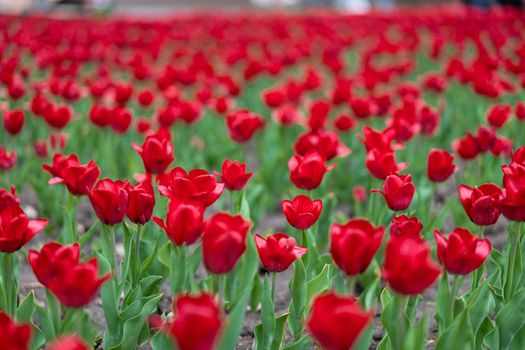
(57, 116)
(146, 98)
(123, 93)
(274, 98)
(109, 199)
(398, 191)
(156, 153)
(326, 143)
(243, 124)
(481, 203)
(440, 165)
(520, 111)
(408, 268)
(15, 336)
(462, 252)
(40, 149)
(485, 137)
(513, 204)
(224, 242)
(354, 244)
(16, 229)
(234, 175)
(13, 121)
(278, 251)
(404, 225)
(184, 223)
(336, 322)
(7, 159)
(121, 119)
(498, 115)
(68, 342)
(8, 198)
(381, 164)
(307, 172)
(302, 212)
(141, 201)
(466, 147)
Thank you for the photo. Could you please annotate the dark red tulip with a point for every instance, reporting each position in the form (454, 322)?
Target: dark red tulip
(307, 172)
(141, 201)
(381, 164)
(234, 175)
(408, 268)
(502, 147)
(100, 115)
(485, 138)
(78, 178)
(109, 200)
(38, 105)
(481, 203)
(57, 116)
(466, 147)
(224, 242)
(428, 121)
(156, 153)
(404, 225)
(40, 148)
(68, 342)
(326, 143)
(354, 244)
(8, 198)
(373, 139)
(363, 107)
(146, 98)
(336, 322)
(242, 125)
(278, 251)
(121, 119)
(319, 111)
(302, 212)
(122, 93)
(520, 111)
(15, 336)
(398, 191)
(274, 98)
(440, 165)
(7, 159)
(14, 121)
(16, 229)
(498, 115)
(513, 204)
(59, 268)
(462, 252)
(287, 115)
(184, 222)
(344, 123)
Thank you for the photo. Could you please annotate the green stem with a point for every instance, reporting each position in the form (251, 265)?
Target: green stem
(55, 312)
(508, 292)
(478, 273)
(455, 288)
(9, 285)
(137, 254)
(401, 328)
(351, 284)
(274, 285)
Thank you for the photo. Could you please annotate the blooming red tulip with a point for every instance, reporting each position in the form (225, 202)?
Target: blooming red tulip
(373, 139)
(336, 322)
(513, 204)
(156, 153)
(141, 201)
(121, 120)
(13, 121)
(242, 125)
(16, 229)
(57, 116)
(398, 191)
(14, 336)
(498, 115)
(302, 212)
(326, 143)
(109, 199)
(278, 251)
(354, 244)
(404, 225)
(408, 268)
(68, 342)
(224, 241)
(485, 137)
(381, 164)
(7, 159)
(8, 198)
(307, 172)
(440, 165)
(466, 147)
(481, 203)
(462, 252)
(184, 223)
(78, 178)
(234, 175)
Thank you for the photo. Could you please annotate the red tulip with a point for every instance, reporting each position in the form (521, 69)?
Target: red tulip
(307, 172)
(156, 153)
(319, 111)
(498, 115)
(100, 115)
(224, 241)
(13, 121)
(466, 147)
(121, 120)
(398, 191)
(8, 198)
(502, 147)
(16, 229)
(302, 212)
(78, 178)
(198, 185)
(287, 115)
(440, 165)
(274, 98)
(359, 194)
(408, 268)
(40, 148)
(146, 98)
(58, 268)
(481, 203)
(242, 125)
(7, 159)
(122, 93)
(15, 336)
(234, 175)
(513, 204)
(485, 137)
(336, 322)
(344, 123)
(68, 342)
(520, 111)
(404, 225)
(373, 139)
(462, 252)
(141, 201)
(184, 223)
(57, 116)
(109, 199)
(381, 164)
(326, 143)
(354, 244)
(278, 251)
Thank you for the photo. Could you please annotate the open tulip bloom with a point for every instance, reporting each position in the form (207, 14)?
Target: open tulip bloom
(210, 180)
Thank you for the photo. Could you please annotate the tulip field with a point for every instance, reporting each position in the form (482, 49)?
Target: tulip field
(263, 180)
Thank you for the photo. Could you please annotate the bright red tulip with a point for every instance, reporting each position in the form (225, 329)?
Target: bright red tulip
(121, 119)
(109, 199)
(14, 121)
(7, 159)
(398, 191)
(404, 225)
(78, 178)
(481, 203)
(57, 116)
(302, 212)
(156, 153)
(466, 147)
(326, 143)
(278, 251)
(440, 165)
(381, 164)
(485, 137)
(224, 241)
(243, 124)
(520, 111)
(336, 322)
(307, 172)
(184, 223)
(498, 115)
(462, 252)
(513, 204)
(8, 198)
(141, 201)
(373, 139)
(68, 342)
(354, 244)
(16, 229)
(234, 175)
(15, 336)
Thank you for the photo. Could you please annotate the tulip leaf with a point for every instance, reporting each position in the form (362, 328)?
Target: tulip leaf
(247, 268)
(364, 339)
(45, 322)
(443, 302)
(164, 254)
(509, 321)
(459, 332)
(369, 295)
(267, 314)
(38, 340)
(480, 304)
(302, 343)
(234, 323)
(26, 309)
(416, 336)
(84, 239)
(278, 336)
(319, 283)
(149, 260)
(108, 294)
(129, 256)
(256, 293)
(162, 341)
(298, 292)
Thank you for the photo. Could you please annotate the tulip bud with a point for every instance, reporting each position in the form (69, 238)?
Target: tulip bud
(184, 223)
(440, 165)
(398, 191)
(307, 172)
(13, 121)
(278, 251)
(141, 201)
(234, 175)
(109, 199)
(302, 212)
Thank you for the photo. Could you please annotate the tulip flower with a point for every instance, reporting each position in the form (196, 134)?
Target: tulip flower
(243, 124)
(359, 194)
(485, 137)
(184, 223)
(141, 201)
(467, 147)
(57, 116)
(234, 175)
(109, 199)
(319, 111)
(498, 115)
(122, 119)
(13, 121)
(14, 336)
(302, 212)
(156, 153)
(59, 269)
(354, 244)
(404, 225)
(398, 191)
(462, 252)
(16, 229)
(8, 198)
(68, 342)
(336, 322)
(373, 139)
(224, 242)
(440, 165)
(78, 178)
(7, 159)
(307, 172)
(481, 203)
(381, 164)
(278, 251)
(326, 143)
(513, 204)
(408, 268)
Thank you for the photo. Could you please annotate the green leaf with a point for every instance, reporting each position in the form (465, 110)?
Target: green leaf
(443, 302)
(164, 254)
(108, 294)
(369, 295)
(129, 256)
(298, 291)
(45, 322)
(459, 332)
(510, 320)
(278, 336)
(302, 343)
(319, 283)
(26, 309)
(256, 293)
(267, 314)
(416, 336)
(162, 342)
(84, 239)
(234, 323)
(364, 339)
